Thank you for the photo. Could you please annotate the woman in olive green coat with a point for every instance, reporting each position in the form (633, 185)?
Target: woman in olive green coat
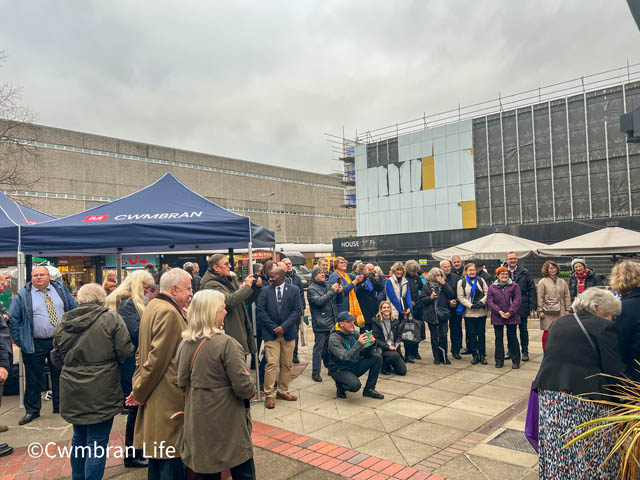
(217, 422)
(90, 344)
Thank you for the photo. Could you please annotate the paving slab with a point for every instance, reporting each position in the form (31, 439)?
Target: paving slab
(455, 418)
(410, 408)
(434, 396)
(481, 405)
(433, 434)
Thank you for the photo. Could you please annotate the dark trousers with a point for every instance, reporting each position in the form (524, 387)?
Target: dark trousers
(475, 328)
(319, 343)
(438, 332)
(244, 471)
(170, 469)
(131, 424)
(524, 333)
(88, 464)
(348, 379)
(455, 332)
(34, 373)
(393, 359)
(295, 347)
(512, 342)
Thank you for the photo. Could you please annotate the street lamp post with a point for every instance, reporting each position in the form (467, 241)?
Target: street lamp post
(268, 197)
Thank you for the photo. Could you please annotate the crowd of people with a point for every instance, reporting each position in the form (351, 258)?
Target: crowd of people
(178, 361)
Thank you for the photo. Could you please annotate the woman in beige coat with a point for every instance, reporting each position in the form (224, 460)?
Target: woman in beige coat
(554, 300)
(475, 313)
(218, 387)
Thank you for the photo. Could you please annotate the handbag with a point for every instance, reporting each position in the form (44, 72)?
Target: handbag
(552, 304)
(531, 424)
(410, 330)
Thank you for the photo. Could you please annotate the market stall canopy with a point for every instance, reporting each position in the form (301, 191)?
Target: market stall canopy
(490, 247)
(165, 216)
(606, 241)
(32, 215)
(13, 215)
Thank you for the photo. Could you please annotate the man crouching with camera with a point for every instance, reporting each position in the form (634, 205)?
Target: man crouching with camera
(351, 354)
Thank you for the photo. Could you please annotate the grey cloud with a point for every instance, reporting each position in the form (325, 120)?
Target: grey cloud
(262, 81)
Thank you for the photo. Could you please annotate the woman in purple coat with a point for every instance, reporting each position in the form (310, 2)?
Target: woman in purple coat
(504, 300)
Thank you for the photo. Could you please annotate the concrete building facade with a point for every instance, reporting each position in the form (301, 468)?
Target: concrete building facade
(79, 171)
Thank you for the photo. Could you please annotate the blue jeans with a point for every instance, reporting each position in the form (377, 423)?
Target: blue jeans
(89, 464)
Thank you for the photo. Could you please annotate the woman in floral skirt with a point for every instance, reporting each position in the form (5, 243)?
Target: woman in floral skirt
(579, 347)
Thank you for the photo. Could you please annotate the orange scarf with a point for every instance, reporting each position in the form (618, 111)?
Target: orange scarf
(354, 306)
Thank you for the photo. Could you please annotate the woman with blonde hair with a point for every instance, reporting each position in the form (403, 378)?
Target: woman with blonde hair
(218, 388)
(554, 300)
(129, 301)
(386, 331)
(349, 283)
(625, 280)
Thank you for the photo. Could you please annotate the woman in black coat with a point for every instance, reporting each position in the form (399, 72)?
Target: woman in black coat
(414, 277)
(386, 331)
(625, 280)
(434, 301)
(568, 378)
(129, 301)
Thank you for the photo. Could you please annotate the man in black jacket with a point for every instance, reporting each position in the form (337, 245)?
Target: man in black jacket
(351, 354)
(455, 321)
(324, 315)
(529, 299)
(292, 277)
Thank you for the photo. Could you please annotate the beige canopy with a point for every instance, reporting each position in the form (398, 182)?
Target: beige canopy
(606, 241)
(490, 247)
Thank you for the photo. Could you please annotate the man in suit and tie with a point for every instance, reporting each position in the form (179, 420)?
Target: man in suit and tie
(278, 311)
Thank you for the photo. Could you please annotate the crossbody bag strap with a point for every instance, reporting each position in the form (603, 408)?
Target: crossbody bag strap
(188, 387)
(584, 330)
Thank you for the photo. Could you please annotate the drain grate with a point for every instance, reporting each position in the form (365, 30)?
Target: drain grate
(513, 440)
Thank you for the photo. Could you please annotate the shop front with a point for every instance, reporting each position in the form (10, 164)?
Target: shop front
(130, 263)
(76, 271)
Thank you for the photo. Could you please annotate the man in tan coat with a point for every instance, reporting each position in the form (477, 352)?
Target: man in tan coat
(155, 387)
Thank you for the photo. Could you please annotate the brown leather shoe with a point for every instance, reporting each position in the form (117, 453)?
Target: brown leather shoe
(270, 402)
(286, 396)
(3, 428)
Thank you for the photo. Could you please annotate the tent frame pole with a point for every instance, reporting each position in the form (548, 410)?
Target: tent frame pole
(119, 266)
(256, 355)
(21, 279)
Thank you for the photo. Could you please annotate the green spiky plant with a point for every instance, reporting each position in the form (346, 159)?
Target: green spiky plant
(623, 422)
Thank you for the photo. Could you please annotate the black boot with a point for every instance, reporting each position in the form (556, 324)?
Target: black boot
(446, 360)
(340, 392)
(483, 359)
(499, 363)
(474, 359)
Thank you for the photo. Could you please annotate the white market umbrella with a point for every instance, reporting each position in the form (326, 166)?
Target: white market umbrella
(490, 247)
(606, 241)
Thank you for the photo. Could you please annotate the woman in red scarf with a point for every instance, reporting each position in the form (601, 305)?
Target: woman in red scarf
(582, 278)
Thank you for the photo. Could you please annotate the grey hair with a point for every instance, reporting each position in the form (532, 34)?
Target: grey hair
(597, 301)
(173, 277)
(411, 266)
(432, 273)
(92, 293)
(444, 261)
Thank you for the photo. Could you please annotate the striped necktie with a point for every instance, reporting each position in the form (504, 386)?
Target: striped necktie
(51, 308)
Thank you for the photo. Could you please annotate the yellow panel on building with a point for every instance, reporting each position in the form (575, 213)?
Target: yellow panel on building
(468, 214)
(428, 173)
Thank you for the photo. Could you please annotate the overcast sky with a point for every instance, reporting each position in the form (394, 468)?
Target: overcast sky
(264, 80)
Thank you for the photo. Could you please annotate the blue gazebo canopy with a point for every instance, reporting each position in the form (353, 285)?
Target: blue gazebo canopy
(165, 216)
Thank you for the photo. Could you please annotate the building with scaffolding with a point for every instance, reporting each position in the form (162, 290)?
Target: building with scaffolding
(546, 164)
